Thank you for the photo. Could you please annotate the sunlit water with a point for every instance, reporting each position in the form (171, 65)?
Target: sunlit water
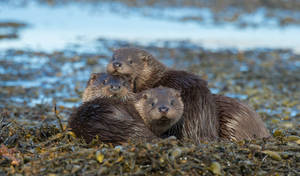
(55, 28)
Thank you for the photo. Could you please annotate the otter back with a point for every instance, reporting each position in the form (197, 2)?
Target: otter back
(238, 121)
(111, 120)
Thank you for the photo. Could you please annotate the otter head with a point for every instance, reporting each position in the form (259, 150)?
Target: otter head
(160, 108)
(138, 64)
(105, 85)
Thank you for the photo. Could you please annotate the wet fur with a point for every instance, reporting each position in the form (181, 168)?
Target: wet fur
(112, 120)
(200, 121)
(150, 113)
(206, 116)
(238, 121)
(95, 87)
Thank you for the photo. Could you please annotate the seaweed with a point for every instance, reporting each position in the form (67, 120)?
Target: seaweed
(36, 89)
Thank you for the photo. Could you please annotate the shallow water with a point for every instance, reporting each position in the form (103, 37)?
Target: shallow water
(56, 28)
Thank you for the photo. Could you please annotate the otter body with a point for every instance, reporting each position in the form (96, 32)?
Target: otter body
(112, 120)
(199, 116)
(107, 114)
(238, 121)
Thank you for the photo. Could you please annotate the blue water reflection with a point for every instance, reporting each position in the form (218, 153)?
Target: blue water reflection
(56, 28)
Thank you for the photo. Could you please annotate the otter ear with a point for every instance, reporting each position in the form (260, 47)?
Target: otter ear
(144, 58)
(177, 94)
(93, 76)
(145, 96)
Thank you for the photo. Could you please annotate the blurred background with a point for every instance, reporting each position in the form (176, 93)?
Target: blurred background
(57, 24)
(245, 49)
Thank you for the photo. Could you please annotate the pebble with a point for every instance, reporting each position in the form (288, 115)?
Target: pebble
(273, 155)
(215, 168)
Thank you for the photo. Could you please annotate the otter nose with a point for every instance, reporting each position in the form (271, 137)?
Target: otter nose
(163, 109)
(117, 64)
(115, 88)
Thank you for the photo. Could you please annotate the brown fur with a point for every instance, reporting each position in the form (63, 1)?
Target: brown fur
(238, 121)
(160, 108)
(152, 117)
(199, 117)
(99, 85)
(112, 120)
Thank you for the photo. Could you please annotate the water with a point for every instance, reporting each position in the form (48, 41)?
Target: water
(57, 28)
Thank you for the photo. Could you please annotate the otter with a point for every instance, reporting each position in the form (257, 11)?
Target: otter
(199, 117)
(105, 85)
(220, 116)
(108, 113)
(161, 108)
(238, 121)
(115, 120)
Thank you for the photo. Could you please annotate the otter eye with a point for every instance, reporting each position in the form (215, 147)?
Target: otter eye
(152, 104)
(172, 102)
